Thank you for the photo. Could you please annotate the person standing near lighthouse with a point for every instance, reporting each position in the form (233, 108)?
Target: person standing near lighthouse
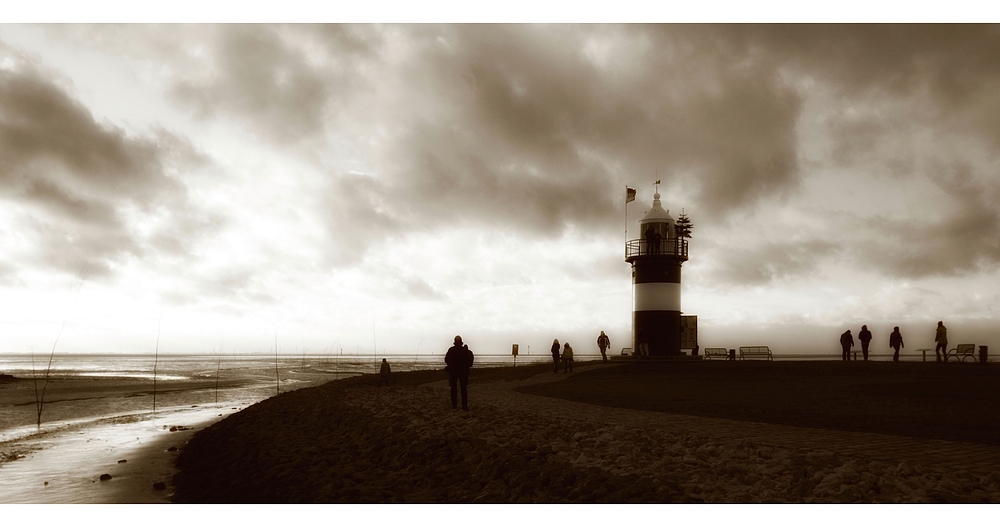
(603, 342)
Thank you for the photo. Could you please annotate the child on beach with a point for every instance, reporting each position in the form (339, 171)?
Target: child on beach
(567, 356)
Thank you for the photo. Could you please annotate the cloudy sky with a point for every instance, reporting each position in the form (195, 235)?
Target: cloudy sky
(339, 184)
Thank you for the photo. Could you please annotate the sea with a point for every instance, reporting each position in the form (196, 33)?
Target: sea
(78, 388)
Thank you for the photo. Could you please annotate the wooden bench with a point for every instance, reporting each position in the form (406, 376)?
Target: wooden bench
(755, 352)
(626, 352)
(964, 351)
(716, 352)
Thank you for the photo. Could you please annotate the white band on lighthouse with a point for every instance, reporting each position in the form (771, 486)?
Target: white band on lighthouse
(657, 296)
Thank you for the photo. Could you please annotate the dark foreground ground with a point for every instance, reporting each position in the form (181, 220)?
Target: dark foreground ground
(953, 401)
(407, 445)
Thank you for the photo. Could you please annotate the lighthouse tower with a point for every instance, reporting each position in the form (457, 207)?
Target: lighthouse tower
(656, 259)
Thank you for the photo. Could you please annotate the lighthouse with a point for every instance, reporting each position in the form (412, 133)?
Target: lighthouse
(656, 259)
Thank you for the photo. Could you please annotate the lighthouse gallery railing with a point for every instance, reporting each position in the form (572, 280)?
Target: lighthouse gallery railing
(667, 247)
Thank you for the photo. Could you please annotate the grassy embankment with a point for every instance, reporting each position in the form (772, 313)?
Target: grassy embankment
(953, 401)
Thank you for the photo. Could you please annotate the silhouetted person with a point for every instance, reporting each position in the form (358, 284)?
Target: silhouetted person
(847, 342)
(459, 359)
(650, 240)
(555, 355)
(865, 337)
(643, 349)
(603, 342)
(941, 337)
(656, 242)
(567, 357)
(383, 373)
(895, 342)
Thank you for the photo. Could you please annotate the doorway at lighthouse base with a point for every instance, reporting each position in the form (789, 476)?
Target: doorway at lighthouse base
(660, 330)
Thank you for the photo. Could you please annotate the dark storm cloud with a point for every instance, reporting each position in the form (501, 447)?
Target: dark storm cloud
(537, 128)
(529, 131)
(964, 241)
(284, 79)
(947, 74)
(77, 175)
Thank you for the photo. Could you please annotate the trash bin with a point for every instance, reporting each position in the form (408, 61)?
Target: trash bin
(983, 352)
(732, 354)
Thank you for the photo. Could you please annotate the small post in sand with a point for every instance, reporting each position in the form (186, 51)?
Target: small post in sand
(277, 387)
(156, 359)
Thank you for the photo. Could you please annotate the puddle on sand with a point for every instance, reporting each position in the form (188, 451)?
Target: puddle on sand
(73, 460)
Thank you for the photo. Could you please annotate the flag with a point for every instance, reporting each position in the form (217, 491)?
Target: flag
(629, 194)
(657, 181)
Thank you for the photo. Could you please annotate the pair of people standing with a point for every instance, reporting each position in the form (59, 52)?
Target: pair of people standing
(566, 356)
(847, 342)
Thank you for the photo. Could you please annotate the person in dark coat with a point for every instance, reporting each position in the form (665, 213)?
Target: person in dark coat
(895, 342)
(603, 342)
(941, 337)
(847, 342)
(865, 337)
(459, 360)
(383, 373)
(555, 355)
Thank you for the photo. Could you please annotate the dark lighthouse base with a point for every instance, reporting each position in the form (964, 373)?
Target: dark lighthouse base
(660, 330)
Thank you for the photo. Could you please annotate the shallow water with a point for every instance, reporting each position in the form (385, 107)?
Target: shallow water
(99, 409)
(67, 463)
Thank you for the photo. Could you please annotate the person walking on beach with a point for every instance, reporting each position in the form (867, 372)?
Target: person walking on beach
(555, 355)
(895, 342)
(941, 337)
(383, 373)
(865, 337)
(567, 357)
(603, 342)
(847, 342)
(459, 360)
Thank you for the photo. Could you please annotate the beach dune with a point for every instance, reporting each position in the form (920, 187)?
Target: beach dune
(350, 441)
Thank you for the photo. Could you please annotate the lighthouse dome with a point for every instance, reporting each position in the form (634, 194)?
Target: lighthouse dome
(657, 214)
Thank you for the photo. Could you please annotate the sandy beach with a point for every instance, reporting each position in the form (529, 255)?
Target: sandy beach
(353, 442)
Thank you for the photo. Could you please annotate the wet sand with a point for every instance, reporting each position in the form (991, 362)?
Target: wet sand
(90, 424)
(352, 442)
(65, 465)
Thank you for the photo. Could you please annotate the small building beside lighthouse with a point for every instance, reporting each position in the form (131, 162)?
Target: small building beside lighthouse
(656, 258)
